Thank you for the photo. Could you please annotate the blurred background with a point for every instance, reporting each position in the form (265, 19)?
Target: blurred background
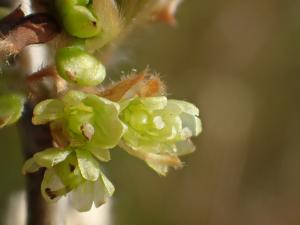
(239, 62)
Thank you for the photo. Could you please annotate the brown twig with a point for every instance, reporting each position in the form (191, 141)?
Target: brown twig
(48, 71)
(19, 31)
(16, 32)
(33, 29)
(11, 20)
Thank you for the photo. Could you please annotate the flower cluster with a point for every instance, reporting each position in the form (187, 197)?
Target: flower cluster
(86, 126)
(86, 121)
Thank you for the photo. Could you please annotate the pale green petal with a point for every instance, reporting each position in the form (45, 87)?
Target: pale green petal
(125, 103)
(11, 108)
(109, 187)
(134, 138)
(77, 120)
(103, 189)
(172, 108)
(30, 166)
(82, 197)
(186, 107)
(108, 127)
(50, 157)
(69, 172)
(47, 111)
(73, 97)
(99, 193)
(158, 162)
(154, 103)
(99, 153)
(184, 147)
(88, 165)
(173, 125)
(161, 169)
(191, 122)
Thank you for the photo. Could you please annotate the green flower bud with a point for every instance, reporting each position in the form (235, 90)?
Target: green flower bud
(77, 18)
(11, 108)
(80, 22)
(159, 128)
(79, 67)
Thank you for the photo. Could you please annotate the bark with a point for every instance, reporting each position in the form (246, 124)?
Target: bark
(34, 139)
(17, 32)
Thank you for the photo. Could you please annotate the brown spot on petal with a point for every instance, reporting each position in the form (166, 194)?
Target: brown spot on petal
(60, 138)
(87, 131)
(71, 167)
(3, 121)
(50, 193)
(71, 75)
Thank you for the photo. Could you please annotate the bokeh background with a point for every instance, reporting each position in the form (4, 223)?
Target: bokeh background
(239, 62)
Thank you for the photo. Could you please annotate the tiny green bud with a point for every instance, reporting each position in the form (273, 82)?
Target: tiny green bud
(78, 20)
(77, 66)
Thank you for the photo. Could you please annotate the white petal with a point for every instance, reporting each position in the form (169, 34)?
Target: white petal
(186, 107)
(82, 197)
(109, 187)
(101, 154)
(99, 193)
(155, 103)
(161, 169)
(191, 122)
(50, 184)
(158, 122)
(184, 147)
